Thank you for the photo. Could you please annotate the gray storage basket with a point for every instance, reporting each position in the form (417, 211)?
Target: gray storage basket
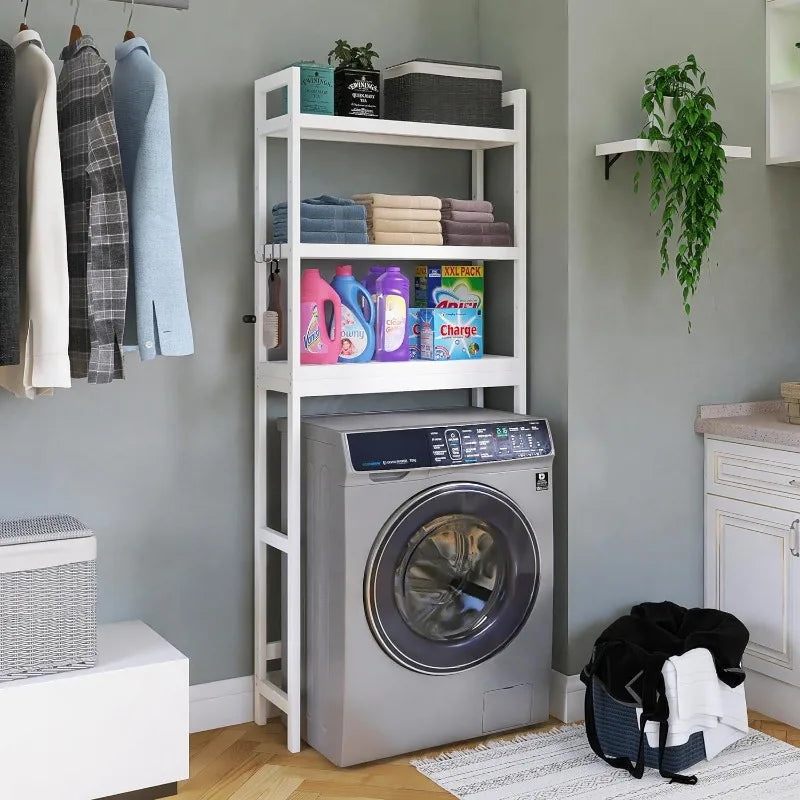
(48, 618)
(453, 99)
(618, 732)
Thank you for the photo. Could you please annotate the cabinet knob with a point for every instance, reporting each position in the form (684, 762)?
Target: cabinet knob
(249, 319)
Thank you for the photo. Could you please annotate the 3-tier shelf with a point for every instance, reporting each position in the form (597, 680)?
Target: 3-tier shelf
(296, 381)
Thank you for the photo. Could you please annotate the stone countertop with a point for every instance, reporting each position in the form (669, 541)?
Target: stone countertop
(755, 422)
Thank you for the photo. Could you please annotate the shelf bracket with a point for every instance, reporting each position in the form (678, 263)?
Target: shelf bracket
(610, 161)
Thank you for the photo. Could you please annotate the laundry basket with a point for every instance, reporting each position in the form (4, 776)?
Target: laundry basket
(48, 597)
(618, 732)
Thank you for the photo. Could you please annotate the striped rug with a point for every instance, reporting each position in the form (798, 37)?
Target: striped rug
(559, 765)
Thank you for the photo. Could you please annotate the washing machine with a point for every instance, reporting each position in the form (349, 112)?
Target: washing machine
(428, 561)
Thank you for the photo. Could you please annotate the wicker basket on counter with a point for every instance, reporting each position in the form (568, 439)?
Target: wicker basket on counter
(790, 392)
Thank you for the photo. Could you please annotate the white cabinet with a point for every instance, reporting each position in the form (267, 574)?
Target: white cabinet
(752, 573)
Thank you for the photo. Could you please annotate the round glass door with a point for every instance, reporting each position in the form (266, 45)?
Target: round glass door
(452, 578)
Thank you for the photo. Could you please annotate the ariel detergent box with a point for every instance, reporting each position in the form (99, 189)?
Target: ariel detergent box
(413, 333)
(450, 334)
(449, 286)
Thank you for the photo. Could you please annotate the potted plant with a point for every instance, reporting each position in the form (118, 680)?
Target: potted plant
(356, 82)
(688, 169)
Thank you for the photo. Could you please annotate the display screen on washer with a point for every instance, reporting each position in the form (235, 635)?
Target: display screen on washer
(420, 448)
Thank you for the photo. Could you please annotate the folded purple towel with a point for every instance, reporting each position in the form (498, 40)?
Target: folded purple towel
(454, 204)
(468, 216)
(460, 240)
(476, 228)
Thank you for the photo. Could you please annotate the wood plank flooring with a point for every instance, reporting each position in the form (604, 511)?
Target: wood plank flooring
(246, 762)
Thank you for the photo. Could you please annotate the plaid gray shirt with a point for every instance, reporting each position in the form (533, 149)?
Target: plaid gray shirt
(97, 214)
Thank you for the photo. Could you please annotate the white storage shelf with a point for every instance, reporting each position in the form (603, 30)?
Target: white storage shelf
(296, 380)
(783, 82)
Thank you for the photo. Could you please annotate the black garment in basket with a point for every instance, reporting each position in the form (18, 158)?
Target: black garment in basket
(628, 658)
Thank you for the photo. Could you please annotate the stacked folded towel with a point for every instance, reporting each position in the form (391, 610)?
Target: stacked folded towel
(471, 223)
(323, 220)
(402, 219)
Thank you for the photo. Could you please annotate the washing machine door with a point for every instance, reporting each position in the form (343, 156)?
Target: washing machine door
(452, 578)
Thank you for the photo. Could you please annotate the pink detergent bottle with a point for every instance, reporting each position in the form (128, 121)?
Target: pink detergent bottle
(392, 316)
(316, 346)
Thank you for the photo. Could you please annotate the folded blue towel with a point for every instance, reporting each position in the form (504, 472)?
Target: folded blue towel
(326, 207)
(328, 237)
(332, 225)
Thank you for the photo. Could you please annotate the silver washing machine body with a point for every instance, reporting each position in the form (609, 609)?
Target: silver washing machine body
(428, 569)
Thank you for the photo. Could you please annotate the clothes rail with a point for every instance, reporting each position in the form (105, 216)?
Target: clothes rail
(179, 5)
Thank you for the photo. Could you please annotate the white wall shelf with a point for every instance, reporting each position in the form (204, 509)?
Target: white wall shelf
(611, 151)
(783, 82)
(296, 381)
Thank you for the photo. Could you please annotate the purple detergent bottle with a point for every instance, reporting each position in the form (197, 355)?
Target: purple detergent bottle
(392, 317)
(371, 281)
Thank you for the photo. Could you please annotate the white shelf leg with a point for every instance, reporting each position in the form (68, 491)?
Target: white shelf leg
(478, 193)
(521, 241)
(262, 708)
(292, 664)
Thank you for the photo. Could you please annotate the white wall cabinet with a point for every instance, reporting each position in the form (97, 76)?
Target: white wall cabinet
(752, 558)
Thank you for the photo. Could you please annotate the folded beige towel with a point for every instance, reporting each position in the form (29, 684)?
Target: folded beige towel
(428, 214)
(398, 201)
(406, 238)
(404, 226)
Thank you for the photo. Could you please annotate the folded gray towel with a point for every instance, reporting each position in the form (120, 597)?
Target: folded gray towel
(316, 210)
(454, 204)
(476, 228)
(281, 225)
(327, 237)
(468, 216)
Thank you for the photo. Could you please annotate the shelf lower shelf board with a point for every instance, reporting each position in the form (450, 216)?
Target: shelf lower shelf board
(356, 130)
(383, 377)
(395, 252)
(646, 146)
(784, 161)
(785, 87)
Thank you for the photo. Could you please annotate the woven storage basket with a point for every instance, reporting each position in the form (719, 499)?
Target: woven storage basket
(48, 597)
(618, 732)
(442, 92)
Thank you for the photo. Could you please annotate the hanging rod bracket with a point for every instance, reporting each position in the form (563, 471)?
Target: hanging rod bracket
(178, 5)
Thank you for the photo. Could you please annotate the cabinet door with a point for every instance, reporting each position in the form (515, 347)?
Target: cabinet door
(751, 573)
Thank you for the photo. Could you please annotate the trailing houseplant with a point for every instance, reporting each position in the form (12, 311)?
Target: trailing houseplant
(687, 181)
(356, 81)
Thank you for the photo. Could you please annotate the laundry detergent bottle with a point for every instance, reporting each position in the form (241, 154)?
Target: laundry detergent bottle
(358, 317)
(371, 281)
(317, 346)
(392, 317)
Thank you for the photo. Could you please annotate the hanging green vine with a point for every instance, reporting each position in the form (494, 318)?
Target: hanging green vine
(687, 182)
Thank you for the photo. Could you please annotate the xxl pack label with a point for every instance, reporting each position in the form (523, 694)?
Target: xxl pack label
(449, 286)
(450, 334)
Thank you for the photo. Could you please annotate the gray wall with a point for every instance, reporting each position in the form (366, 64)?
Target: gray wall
(161, 464)
(635, 375)
(528, 38)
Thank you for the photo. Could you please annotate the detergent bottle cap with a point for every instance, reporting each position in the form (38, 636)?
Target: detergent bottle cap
(344, 271)
(393, 269)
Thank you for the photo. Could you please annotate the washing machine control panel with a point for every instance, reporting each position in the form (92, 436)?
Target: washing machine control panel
(455, 445)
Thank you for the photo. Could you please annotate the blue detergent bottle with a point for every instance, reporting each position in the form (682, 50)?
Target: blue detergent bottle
(358, 317)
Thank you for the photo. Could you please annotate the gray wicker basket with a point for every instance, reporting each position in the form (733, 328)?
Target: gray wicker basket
(48, 597)
(618, 732)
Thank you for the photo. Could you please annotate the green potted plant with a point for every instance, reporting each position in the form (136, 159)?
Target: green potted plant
(688, 169)
(357, 84)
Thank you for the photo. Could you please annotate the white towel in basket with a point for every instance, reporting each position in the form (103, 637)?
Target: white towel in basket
(700, 702)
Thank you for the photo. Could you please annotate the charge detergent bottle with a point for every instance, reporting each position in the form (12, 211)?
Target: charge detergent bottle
(358, 317)
(317, 346)
(392, 327)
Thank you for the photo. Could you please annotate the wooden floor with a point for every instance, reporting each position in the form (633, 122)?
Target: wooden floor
(246, 762)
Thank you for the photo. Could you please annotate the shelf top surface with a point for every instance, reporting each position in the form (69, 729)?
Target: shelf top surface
(321, 127)
(645, 145)
(396, 252)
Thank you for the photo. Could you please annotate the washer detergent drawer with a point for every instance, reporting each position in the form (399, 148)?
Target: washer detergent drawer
(734, 470)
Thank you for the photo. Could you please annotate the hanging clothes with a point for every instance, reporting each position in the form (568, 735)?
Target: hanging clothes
(44, 282)
(96, 212)
(9, 208)
(141, 106)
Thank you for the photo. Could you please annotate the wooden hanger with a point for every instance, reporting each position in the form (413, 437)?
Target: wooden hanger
(76, 33)
(129, 34)
(23, 26)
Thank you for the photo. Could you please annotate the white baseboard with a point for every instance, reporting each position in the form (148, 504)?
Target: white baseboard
(220, 704)
(566, 697)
